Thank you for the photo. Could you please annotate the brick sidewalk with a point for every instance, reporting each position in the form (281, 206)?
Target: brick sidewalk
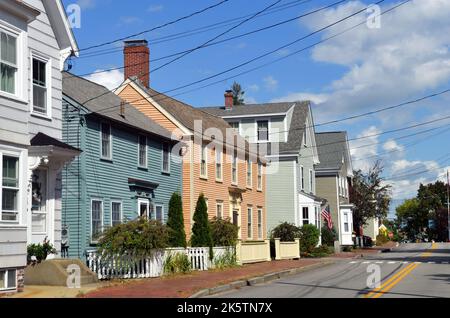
(186, 285)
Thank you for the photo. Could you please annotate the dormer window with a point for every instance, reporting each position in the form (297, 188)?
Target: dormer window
(8, 62)
(263, 130)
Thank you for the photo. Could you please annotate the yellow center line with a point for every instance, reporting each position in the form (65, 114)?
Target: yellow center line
(390, 280)
(395, 282)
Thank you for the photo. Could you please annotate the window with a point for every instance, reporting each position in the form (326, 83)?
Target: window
(219, 210)
(263, 130)
(142, 151)
(346, 223)
(39, 86)
(249, 173)
(143, 208)
(8, 62)
(234, 169)
(249, 222)
(305, 211)
(219, 166)
(39, 201)
(8, 279)
(203, 162)
(311, 181)
(96, 219)
(116, 213)
(166, 158)
(106, 141)
(10, 188)
(235, 126)
(302, 178)
(260, 223)
(260, 176)
(159, 215)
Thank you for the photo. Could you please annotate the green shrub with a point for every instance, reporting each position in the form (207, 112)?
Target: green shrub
(322, 251)
(347, 249)
(329, 236)
(286, 232)
(138, 237)
(382, 239)
(224, 233)
(309, 238)
(176, 263)
(175, 222)
(40, 251)
(227, 260)
(201, 231)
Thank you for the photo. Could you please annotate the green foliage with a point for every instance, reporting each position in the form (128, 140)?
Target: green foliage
(227, 260)
(347, 249)
(40, 251)
(138, 237)
(329, 236)
(382, 239)
(224, 233)
(286, 232)
(321, 251)
(175, 222)
(309, 238)
(176, 263)
(201, 231)
(238, 94)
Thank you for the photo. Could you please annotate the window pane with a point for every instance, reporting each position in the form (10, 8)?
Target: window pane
(166, 157)
(249, 222)
(7, 78)
(116, 211)
(11, 278)
(2, 279)
(10, 172)
(263, 130)
(159, 213)
(96, 218)
(39, 191)
(106, 141)
(142, 151)
(9, 200)
(39, 73)
(8, 48)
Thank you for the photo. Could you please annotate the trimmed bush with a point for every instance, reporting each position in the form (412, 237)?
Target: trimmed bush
(175, 222)
(286, 232)
(329, 236)
(224, 233)
(309, 238)
(201, 231)
(322, 251)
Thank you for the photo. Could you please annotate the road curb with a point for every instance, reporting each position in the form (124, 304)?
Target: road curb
(258, 280)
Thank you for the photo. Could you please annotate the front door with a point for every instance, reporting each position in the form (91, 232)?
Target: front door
(39, 205)
(143, 208)
(236, 217)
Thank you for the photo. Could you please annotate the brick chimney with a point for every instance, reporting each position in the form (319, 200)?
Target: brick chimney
(137, 60)
(229, 100)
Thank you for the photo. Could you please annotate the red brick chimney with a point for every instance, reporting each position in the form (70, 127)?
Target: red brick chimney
(137, 60)
(229, 100)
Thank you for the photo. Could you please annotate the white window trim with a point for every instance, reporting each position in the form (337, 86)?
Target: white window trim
(219, 203)
(303, 216)
(110, 141)
(302, 178)
(145, 166)
(260, 235)
(3, 288)
(269, 126)
(204, 151)
(48, 77)
(260, 186)
(46, 204)
(221, 165)
(235, 156)
(239, 125)
(146, 202)
(162, 212)
(162, 157)
(311, 181)
(19, 216)
(20, 80)
(247, 173)
(102, 218)
(121, 210)
(250, 235)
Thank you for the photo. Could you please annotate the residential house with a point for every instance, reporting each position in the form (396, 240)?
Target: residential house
(35, 41)
(127, 168)
(333, 177)
(284, 133)
(216, 161)
(372, 228)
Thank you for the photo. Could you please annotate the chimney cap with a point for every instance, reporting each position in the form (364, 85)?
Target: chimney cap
(228, 91)
(131, 43)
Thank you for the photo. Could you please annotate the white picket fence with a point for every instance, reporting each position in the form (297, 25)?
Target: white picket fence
(128, 266)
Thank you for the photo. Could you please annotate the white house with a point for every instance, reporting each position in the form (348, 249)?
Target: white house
(35, 41)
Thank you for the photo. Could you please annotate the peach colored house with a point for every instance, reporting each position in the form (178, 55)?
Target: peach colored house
(216, 160)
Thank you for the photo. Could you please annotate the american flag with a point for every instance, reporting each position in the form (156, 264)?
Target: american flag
(326, 214)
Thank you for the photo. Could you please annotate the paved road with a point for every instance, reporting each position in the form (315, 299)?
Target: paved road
(411, 270)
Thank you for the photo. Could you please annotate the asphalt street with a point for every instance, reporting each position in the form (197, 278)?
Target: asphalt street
(410, 270)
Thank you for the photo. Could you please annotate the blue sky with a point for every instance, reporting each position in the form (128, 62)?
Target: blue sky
(365, 69)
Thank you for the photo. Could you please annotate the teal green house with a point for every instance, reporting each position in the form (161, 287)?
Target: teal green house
(126, 168)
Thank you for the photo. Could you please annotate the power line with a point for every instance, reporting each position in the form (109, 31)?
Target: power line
(224, 40)
(157, 27)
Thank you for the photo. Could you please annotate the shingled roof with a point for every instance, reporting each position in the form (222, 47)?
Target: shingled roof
(332, 149)
(82, 91)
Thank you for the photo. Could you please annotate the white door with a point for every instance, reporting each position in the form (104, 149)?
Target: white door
(40, 206)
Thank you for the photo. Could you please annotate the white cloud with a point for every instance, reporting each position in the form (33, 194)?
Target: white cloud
(364, 150)
(86, 4)
(293, 97)
(129, 20)
(110, 79)
(270, 83)
(155, 8)
(391, 146)
(253, 88)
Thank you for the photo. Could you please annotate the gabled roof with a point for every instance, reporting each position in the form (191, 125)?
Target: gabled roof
(42, 140)
(300, 112)
(333, 150)
(80, 90)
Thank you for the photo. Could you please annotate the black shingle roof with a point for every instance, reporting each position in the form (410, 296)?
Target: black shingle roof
(332, 149)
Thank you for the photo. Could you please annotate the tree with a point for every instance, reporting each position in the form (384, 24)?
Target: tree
(411, 217)
(201, 231)
(238, 94)
(369, 195)
(177, 235)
